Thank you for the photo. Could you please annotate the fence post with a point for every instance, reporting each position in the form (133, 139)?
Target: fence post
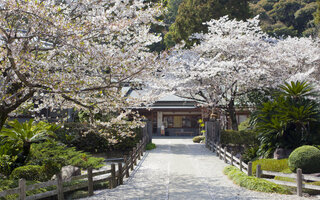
(113, 176)
(120, 175)
(90, 182)
(258, 171)
(126, 165)
(60, 186)
(225, 154)
(232, 158)
(22, 186)
(299, 182)
(131, 159)
(240, 163)
(138, 151)
(249, 168)
(220, 152)
(135, 154)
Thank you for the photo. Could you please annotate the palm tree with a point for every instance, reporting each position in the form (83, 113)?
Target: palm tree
(286, 120)
(24, 134)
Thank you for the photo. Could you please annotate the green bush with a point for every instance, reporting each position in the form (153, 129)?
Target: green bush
(270, 165)
(198, 139)
(150, 146)
(52, 156)
(250, 154)
(5, 165)
(245, 137)
(28, 172)
(253, 183)
(306, 158)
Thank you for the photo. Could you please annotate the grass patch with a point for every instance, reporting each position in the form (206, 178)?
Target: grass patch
(150, 146)
(270, 165)
(253, 183)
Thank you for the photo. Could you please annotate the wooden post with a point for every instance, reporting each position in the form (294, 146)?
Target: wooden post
(120, 175)
(126, 166)
(225, 154)
(299, 182)
(232, 158)
(249, 168)
(113, 176)
(138, 151)
(60, 186)
(134, 155)
(258, 171)
(90, 182)
(240, 163)
(131, 159)
(22, 186)
(220, 152)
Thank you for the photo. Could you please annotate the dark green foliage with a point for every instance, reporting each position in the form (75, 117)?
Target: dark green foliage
(85, 138)
(286, 17)
(245, 137)
(253, 183)
(28, 172)
(317, 14)
(5, 165)
(78, 135)
(127, 143)
(172, 11)
(198, 139)
(250, 154)
(150, 146)
(21, 135)
(270, 165)
(53, 156)
(193, 13)
(290, 119)
(306, 158)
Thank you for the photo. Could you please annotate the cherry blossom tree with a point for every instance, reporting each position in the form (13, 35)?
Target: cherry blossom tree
(73, 53)
(234, 58)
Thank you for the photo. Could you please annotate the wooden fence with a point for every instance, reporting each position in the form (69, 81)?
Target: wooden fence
(115, 178)
(299, 180)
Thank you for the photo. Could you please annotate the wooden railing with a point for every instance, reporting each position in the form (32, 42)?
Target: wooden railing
(113, 176)
(299, 180)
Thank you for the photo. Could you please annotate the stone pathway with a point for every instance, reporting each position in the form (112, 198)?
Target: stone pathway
(178, 169)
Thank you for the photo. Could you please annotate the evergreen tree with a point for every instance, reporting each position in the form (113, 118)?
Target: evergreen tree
(193, 13)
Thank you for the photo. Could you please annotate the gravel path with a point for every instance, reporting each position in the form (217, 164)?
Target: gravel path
(179, 169)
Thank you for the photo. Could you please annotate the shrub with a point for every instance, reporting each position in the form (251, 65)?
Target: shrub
(270, 165)
(244, 125)
(250, 154)
(150, 146)
(53, 156)
(28, 172)
(246, 137)
(253, 183)
(198, 139)
(5, 165)
(305, 157)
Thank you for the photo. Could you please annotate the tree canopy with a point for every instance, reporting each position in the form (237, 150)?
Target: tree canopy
(286, 17)
(193, 13)
(75, 54)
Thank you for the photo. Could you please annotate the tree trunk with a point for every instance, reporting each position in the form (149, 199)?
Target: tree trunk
(3, 117)
(232, 115)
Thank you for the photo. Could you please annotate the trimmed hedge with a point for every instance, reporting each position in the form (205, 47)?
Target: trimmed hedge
(254, 183)
(28, 172)
(198, 139)
(245, 137)
(150, 146)
(305, 157)
(270, 165)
